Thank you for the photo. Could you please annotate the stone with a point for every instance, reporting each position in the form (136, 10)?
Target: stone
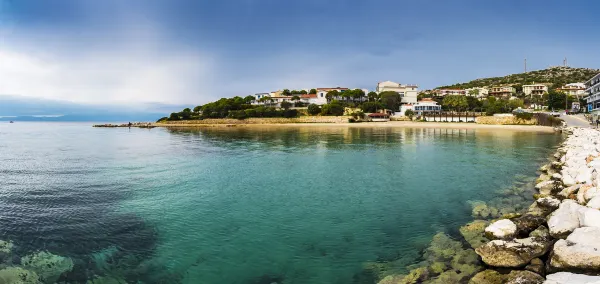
(480, 209)
(524, 277)
(473, 233)
(580, 251)
(556, 176)
(568, 180)
(18, 275)
(594, 203)
(556, 165)
(589, 217)
(584, 176)
(545, 187)
(566, 193)
(537, 266)
(488, 277)
(565, 219)
(417, 275)
(587, 193)
(544, 168)
(502, 229)
(6, 246)
(528, 223)
(571, 278)
(514, 253)
(548, 202)
(536, 210)
(48, 266)
(542, 178)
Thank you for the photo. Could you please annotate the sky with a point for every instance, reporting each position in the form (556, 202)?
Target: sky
(193, 52)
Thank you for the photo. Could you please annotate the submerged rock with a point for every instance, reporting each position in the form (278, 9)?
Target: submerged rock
(524, 277)
(502, 229)
(480, 209)
(565, 219)
(571, 278)
(488, 277)
(580, 251)
(473, 233)
(106, 280)
(515, 253)
(48, 266)
(6, 246)
(18, 275)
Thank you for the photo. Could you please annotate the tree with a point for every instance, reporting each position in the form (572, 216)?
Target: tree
(174, 116)
(358, 94)
(333, 108)
(371, 106)
(474, 92)
(313, 91)
(303, 92)
(286, 105)
(455, 102)
(186, 113)
(295, 98)
(286, 92)
(313, 109)
(515, 104)
(249, 99)
(331, 95)
(372, 96)
(410, 113)
(518, 88)
(556, 100)
(391, 100)
(197, 109)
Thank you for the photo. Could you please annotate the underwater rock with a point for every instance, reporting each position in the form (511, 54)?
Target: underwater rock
(548, 202)
(517, 252)
(438, 267)
(442, 248)
(473, 233)
(537, 266)
(106, 280)
(502, 229)
(524, 277)
(18, 275)
(6, 246)
(488, 277)
(393, 279)
(480, 209)
(565, 219)
(417, 275)
(48, 266)
(571, 278)
(580, 251)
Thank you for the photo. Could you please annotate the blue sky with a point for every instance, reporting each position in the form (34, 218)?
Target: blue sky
(192, 52)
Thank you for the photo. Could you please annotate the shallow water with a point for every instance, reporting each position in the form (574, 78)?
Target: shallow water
(235, 205)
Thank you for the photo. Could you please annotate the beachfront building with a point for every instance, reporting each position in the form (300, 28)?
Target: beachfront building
(573, 89)
(593, 96)
(502, 91)
(478, 92)
(449, 92)
(313, 99)
(322, 94)
(408, 93)
(535, 89)
(422, 106)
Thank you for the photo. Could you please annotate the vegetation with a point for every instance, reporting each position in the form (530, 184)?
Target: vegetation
(314, 109)
(390, 100)
(409, 113)
(559, 76)
(333, 108)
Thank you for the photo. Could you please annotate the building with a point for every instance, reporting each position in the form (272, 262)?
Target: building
(408, 93)
(573, 89)
(502, 91)
(593, 96)
(478, 92)
(449, 92)
(313, 99)
(535, 89)
(379, 117)
(422, 106)
(322, 92)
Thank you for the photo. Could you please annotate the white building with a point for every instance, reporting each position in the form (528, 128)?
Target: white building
(478, 92)
(573, 89)
(322, 92)
(422, 106)
(535, 89)
(449, 92)
(593, 96)
(408, 93)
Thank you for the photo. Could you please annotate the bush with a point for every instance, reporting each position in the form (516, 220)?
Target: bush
(289, 113)
(409, 113)
(238, 114)
(250, 112)
(162, 119)
(371, 106)
(286, 105)
(174, 116)
(314, 109)
(334, 108)
(524, 115)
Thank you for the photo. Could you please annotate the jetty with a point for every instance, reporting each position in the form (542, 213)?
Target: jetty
(135, 124)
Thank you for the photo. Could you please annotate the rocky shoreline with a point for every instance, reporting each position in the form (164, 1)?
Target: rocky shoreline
(554, 240)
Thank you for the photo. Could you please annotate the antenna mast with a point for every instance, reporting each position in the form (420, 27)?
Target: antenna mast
(525, 65)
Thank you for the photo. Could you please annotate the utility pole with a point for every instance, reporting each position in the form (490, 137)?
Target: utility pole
(525, 65)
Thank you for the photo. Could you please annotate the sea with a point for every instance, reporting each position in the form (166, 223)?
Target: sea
(247, 205)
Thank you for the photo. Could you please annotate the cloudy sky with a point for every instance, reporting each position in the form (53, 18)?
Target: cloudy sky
(192, 52)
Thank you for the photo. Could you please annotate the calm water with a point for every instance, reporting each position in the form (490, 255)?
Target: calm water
(297, 205)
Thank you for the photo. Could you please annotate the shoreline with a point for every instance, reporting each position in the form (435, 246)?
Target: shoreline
(390, 124)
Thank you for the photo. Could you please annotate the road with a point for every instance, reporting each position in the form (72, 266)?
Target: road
(577, 120)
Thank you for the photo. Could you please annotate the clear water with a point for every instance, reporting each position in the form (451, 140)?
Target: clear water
(235, 205)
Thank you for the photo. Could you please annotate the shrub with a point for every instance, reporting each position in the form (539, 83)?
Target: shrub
(334, 108)
(314, 109)
(162, 119)
(524, 115)
(174, 116)
(286, 105)
(409, 113)
(289, 113)
(238, 114)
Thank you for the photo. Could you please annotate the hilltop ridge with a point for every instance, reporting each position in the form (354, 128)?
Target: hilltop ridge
(557, 75)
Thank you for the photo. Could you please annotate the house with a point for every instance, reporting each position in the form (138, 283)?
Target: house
(422, 106)
(313, 99)
(322, 92)
(593, 96)
(502, 91)
(408, 93)
(478, 92)
(449, 92)
(535, 89)
(573, 89)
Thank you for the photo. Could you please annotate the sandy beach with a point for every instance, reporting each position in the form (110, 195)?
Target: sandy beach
(390, 124)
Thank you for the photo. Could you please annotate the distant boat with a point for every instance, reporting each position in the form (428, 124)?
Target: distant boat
(11, 121)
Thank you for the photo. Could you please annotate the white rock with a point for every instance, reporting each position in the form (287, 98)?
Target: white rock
(584, 176)
(548, 202)
(567, 180)
(569, 190)
(502, 229)
(556, 176)
(586, 193)
(565, 219)
(545, 187)
(594, 203)
(589, 217)
(581, 250)
(571, 278)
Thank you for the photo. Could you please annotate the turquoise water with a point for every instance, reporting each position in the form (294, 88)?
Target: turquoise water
(234, 205)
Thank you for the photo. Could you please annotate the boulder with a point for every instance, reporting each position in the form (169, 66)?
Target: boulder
(584, 176)
(18, 275)
(589, 217)
(488, 277)
(537, 266)
(565, 193)
(48, 266)
(557, 176)
(571, 278)
(502, 229)
(568, 180)
(594, 203)
(524, 277)
(587, 193)
(473, 233)
(565, 219)
(528, 223)
(545, 187)
(580, 251)
(544, 168)
(515, 253)
(6, 246)
(548, 202)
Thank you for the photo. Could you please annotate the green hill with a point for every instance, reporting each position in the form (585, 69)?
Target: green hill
(558, 76)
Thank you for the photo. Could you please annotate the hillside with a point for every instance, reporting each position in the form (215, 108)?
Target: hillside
(558, 76)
